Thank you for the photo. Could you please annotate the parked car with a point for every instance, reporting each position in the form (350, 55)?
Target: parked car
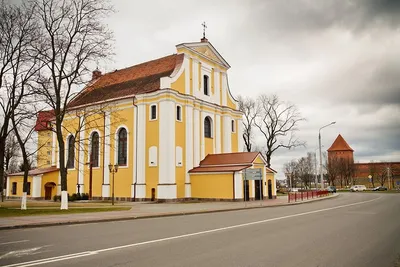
(358, 188)
(380, 188)
(331, 189)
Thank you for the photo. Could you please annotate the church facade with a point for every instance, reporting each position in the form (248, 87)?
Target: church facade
(157, 121)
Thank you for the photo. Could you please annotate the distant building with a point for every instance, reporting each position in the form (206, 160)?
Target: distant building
(371, 174)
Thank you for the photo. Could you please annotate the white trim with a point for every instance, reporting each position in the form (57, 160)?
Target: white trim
(189, 148)
(226, 130)
(141, 149)
(135, 149)
(224, 99)
(150, 112)
(53, 149)
(116, 146)
(190, 47)
(153, 156)
(238, 180)
(178, 156)
(107, 155)
(167, 149)
(165, 82)
(36, 186)
(218, 134)
(196, 137)
(240, 136)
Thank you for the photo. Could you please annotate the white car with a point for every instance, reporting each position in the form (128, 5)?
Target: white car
(358, 188)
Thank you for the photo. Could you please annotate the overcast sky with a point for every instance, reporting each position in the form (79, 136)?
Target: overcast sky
(336, 60)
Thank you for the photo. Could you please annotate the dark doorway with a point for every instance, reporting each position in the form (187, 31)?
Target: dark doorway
(153, 194)
(246, 192)
(269, 189)
(258, 189)
(47, 192)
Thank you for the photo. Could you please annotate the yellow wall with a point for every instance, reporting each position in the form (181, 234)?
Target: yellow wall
(179, 84)
(209, 145)
(124, 176)
(229, 101)
(212, 185)
(20, 182)
(52, 177)
(152, 139)
(270, 176)
(45, 139)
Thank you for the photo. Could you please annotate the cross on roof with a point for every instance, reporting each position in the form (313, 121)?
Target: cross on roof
(204, 29)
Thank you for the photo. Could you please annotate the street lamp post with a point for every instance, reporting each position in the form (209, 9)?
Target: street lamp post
(113, 169)
(320, 153)
(316, 170)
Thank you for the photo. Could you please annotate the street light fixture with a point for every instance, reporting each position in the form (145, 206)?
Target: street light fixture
(113, 169)
(320, 153)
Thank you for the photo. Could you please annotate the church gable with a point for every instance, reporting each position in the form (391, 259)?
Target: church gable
(206, 50)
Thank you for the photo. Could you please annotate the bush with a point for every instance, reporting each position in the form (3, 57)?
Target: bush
(85, 196)
(56, 198)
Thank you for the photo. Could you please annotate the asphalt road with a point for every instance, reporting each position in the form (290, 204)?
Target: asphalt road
(350, 230)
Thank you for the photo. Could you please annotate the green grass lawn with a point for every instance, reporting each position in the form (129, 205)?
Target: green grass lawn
(12, 212)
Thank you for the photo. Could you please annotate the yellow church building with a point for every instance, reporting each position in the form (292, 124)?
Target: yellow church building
(171, 125)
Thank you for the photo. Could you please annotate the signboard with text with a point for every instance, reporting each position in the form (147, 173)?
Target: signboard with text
(252, 174)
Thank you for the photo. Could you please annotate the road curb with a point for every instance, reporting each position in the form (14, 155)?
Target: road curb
(126, 218)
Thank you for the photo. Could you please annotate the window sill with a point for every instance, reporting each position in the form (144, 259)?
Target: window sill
(208, 137)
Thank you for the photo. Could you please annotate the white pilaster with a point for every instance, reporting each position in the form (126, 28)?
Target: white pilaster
(141, 151)
(81, 159)
(53, 149)
(107, 143)
(218, 134)
(195, 77)
(238, 185)
(202, 138)
(224, 90)
(240, 135)
(274, 186)
(167, 183)
(186, 63)
(264, 184)
(189, 148)
(227, 147)
(36, 186)
(196, 137)
(216, 87)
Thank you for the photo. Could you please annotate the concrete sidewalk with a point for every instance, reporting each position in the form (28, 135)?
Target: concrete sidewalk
(143, 210)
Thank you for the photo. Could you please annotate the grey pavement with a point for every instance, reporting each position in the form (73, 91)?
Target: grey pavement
(349, 230)
(138, 210)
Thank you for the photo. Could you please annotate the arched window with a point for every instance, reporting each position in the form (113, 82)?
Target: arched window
(94, 150)
(178, 113)
(206, 85)
(71, 152)
(122, 147)
(207, 127)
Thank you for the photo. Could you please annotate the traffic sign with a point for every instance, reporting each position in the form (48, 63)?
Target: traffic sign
(252, 174)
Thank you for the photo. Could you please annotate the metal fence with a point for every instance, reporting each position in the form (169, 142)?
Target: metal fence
(300, 196)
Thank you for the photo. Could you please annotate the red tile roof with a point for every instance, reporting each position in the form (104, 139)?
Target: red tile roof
(138, 79)
(231, 168)
(36, 171)
(229, 158)
(340, 145)
(42, 119)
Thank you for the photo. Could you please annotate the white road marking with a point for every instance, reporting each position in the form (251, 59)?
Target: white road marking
(90, 253)
(20, 253)
(12, 242)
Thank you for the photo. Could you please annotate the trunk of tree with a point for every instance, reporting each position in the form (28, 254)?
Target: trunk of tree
(63, 169)
(2, 172)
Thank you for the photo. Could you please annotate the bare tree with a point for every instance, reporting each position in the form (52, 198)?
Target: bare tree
(11, 151)
(18, 32)
(289, 169)
(277, 122)
(74, 37)
(305, 170)
(333, 169)
(250, 111)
